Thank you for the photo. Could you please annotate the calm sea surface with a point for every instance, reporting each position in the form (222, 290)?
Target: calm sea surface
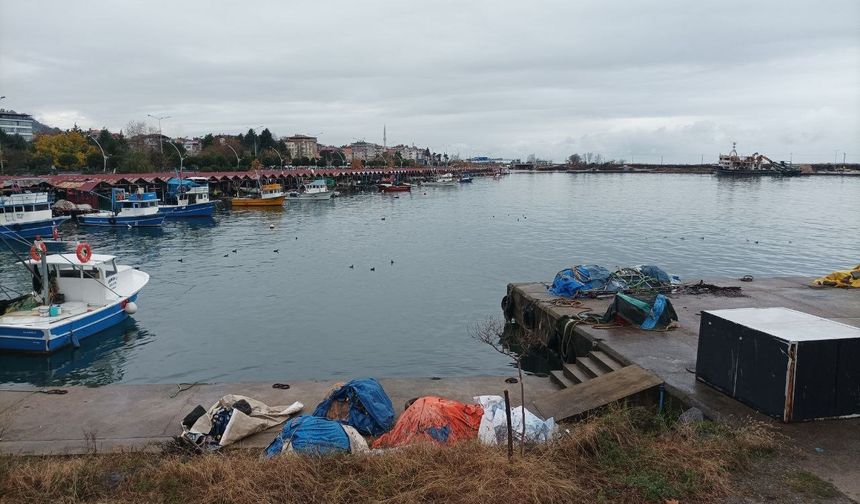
(303, 313)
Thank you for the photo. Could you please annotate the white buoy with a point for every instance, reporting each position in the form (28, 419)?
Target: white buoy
(271, 226)
(131, 307)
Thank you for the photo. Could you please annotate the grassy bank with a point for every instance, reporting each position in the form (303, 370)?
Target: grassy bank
(625, 455)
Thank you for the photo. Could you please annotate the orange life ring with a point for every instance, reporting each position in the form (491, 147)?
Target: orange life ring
(84, 252)
(36, 253)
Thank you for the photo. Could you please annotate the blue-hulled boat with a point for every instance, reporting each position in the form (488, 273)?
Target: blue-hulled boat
(27, 215)
(79, 299)
(466, 178)
(187, 198)
(129, 210)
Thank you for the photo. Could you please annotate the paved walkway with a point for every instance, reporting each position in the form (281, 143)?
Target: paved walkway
(117, 417)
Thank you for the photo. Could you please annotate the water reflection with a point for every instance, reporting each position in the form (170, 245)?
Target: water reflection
(100, 360)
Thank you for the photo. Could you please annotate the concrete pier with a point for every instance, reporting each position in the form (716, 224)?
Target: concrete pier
(828, 448)
(128, 417)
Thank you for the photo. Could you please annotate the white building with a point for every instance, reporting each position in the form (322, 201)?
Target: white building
(300, 146)
(13, 123)
(365, 151)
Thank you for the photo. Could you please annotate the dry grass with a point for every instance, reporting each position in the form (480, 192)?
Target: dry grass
(625, 455)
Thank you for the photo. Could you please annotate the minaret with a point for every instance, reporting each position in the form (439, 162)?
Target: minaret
(384, 138)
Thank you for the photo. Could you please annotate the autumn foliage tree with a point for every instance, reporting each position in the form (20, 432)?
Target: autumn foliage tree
(67, 150)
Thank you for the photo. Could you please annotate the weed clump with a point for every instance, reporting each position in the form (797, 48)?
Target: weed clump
(621, 455)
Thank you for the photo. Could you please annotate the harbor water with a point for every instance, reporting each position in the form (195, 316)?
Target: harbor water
(391, 284)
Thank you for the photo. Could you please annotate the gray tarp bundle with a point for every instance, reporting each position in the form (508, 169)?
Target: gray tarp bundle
(258, 418)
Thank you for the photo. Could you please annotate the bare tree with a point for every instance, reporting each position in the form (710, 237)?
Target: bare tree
(134, 132)
(515, 346)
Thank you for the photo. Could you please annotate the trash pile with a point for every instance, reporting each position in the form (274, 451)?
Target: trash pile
(355, 410)
(846, 279)
(591, 280)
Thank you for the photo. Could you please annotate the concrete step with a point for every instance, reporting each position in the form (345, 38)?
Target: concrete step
(559, 378)
(606, 361)
(574, 374)
(590, 366)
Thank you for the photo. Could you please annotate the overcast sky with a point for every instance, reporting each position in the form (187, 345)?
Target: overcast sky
(677, 79)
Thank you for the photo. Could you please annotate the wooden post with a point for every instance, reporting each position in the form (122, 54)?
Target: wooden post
(510, 428)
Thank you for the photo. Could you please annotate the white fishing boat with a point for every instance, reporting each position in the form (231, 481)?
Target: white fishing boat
(138, 209)
(316, 190)
(75, 296)
(27, 215)
(445, 180)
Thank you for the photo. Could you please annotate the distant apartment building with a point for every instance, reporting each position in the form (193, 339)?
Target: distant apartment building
(300, 146)
(147, 142)
(365, 151)
(417, 154)
(192, 146)
(13, 123)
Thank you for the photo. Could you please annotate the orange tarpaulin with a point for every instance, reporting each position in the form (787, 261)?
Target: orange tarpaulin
(433, 419)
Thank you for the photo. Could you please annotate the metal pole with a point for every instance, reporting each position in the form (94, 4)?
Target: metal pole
(279, 156)
(234, 152)
(1, 147)
(160, 144)
(181, 159)
(104, 168)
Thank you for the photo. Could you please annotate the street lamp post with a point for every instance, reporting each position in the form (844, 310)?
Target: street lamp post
(161, 147)
(181, 158)
(104, 156)
(256, 136)
(1, 148)
(279, 156)
(234, 152)
(339, 153)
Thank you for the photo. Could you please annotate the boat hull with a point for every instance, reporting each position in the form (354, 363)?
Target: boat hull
(258, 202)
(312, 196)
(757, 173)
(183, 211)
(34, 340)
(153, 220)
(31, 229)
(394, 188)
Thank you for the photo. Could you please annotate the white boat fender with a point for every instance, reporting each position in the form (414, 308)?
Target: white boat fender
(74, 337)
(131, 308)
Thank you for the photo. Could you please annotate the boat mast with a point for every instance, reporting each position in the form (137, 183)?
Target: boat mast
(43, 266)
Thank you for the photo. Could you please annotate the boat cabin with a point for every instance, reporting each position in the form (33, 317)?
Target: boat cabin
(26, 207)
(317, 186)
(271, 190)
(95, 282)
(139, 203)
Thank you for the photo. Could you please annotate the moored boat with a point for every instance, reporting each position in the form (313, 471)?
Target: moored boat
(138, 209)
(186, 198)
(466, 178)
(84, 294)
(316, 190)
(271, 195)
(445, 180)
(754, 165)
(395, 187)
(27, 215)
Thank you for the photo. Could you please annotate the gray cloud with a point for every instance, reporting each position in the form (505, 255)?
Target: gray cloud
(676, 79)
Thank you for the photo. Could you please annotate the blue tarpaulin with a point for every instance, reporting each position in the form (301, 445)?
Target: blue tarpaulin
(584, 277)
(174, 184)
(312, 435)
(370, 410)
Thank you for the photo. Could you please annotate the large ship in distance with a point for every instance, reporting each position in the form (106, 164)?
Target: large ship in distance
(756, 164)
